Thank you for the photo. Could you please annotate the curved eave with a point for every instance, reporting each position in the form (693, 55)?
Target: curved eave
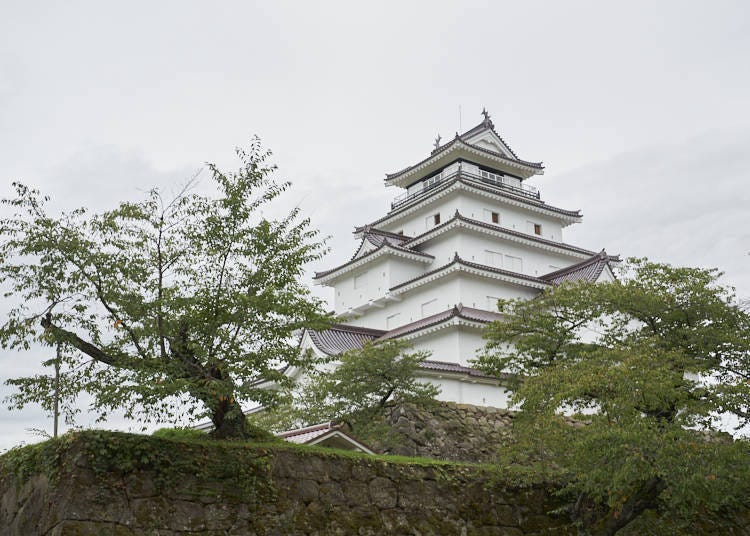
(451, 321)
(459, 265)
(459, 221)
(442, 370)
(565, 217)
(324, 278)
(457, 149)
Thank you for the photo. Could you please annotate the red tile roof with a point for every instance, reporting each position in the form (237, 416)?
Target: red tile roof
(459, 261)
(341, 338)
(459, 139)
(487, 124)
(308, 433)
(458, 311)
(384, 245)
(442, 366)
(587, 270)
(316, 433)
(502, 230)
(473, 184)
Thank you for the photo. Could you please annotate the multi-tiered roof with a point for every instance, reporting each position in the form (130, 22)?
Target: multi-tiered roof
(474, 168)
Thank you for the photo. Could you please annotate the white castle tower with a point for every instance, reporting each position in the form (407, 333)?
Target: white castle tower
(466, 230)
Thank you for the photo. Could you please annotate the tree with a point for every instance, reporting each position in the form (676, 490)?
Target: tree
(644, 367)
(56, 394)
(174, 305)
(357, 387)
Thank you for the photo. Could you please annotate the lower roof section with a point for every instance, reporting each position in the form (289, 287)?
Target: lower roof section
(340, 338)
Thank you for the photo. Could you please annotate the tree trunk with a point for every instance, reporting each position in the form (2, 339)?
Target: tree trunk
(229, 420)
(638, 503)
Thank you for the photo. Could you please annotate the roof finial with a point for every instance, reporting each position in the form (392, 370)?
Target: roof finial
(437, 142)
(486, 115)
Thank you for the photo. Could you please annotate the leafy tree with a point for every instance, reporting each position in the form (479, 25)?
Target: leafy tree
(644, 366)
(173, 305)
(56, 393)
(358, 386)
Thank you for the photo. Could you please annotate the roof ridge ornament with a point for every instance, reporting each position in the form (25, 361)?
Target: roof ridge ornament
(437, 142)
(487, 121)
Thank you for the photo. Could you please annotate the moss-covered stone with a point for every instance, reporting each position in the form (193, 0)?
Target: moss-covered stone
(125, 485)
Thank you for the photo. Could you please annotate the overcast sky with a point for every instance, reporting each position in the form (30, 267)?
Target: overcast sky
(639, 110)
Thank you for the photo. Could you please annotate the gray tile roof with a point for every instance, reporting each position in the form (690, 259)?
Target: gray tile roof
(587, 270)
(442, 366)
(384, 244)
(460, 261)
(341, 338)
(458, 311)
(460, 139)
(466, 181)
(487, 124)
(509, 232)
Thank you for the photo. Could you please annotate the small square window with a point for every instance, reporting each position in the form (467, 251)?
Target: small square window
(537, 229)
(495, 217)
(436, 218)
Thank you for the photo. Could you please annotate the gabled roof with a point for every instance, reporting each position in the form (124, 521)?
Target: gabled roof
(377, 237)
(587, 270)
(532, 281)
(462, 142)
(485, 126)
(442, 366)
(325, 434)
(457, 217)
(341, 338)
(458, 311)
(571, 216)
(459, 144)
(385, 248)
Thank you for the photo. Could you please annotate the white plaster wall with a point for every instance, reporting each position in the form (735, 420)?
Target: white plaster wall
(511, 217)
(474, 205)
(451, 344)
(468, 392)
(535, 261)
(458, 287)
(477, 292)
(443, 248)
(443, 345)
(379, 276)
(400, 270)
(421, 221)
(606, 276)
(444, 292)
(452, 389)
(345, 293)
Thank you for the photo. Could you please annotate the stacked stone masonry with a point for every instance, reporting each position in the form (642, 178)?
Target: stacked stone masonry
(307, 493)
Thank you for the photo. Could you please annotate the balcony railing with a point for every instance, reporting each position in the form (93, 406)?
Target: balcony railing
(486, 177)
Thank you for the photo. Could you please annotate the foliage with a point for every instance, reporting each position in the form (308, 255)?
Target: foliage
(644, 365)
(174, 305)
(42, 389)
(180, 433)
(360, 385)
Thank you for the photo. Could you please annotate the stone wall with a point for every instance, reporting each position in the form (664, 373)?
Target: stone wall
(118, 484)
(441, 430)
(115, 484)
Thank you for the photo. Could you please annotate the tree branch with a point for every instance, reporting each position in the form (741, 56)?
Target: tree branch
(86, 347)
